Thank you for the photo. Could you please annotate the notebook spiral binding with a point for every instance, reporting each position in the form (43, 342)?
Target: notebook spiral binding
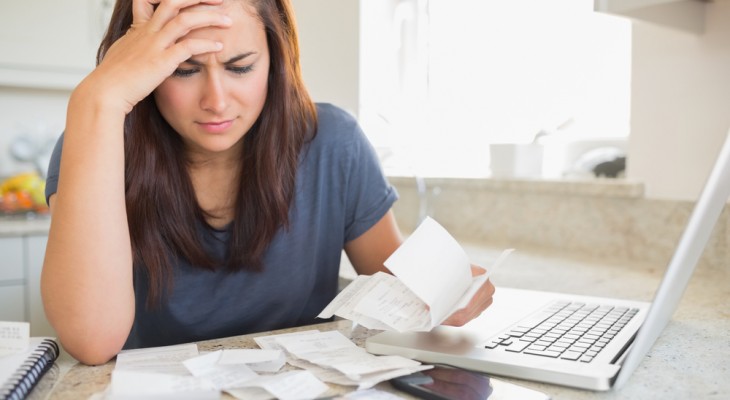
(37, 364)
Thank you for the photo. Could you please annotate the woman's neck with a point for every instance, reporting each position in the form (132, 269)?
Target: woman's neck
(216, 182)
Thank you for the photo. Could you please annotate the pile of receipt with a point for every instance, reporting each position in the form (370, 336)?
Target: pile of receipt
(182, 372)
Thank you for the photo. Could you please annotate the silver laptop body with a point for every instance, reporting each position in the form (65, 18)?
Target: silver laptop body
(473, 346)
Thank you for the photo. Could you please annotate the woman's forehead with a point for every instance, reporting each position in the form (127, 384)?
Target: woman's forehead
(247, 33)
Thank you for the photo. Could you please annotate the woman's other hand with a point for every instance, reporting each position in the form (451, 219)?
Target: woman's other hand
(481, 300)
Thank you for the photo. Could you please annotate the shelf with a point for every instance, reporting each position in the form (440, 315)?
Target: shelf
(40, 79)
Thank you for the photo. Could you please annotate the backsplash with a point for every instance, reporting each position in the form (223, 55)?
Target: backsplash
(605, 219)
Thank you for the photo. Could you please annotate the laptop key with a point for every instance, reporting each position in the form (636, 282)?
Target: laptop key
(544, 353)
(491, 345)
(517, 346)
(571, 355)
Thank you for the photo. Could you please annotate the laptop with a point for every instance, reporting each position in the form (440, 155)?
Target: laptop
(586, 342)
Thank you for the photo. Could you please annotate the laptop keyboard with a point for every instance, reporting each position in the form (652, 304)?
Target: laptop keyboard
(566, 330)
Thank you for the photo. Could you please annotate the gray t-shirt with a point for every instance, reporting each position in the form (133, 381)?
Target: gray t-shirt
(341, 192)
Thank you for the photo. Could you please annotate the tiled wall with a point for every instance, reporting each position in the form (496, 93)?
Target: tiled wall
(603, 219)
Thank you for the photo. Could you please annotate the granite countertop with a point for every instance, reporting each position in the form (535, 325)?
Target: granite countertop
(691, 359)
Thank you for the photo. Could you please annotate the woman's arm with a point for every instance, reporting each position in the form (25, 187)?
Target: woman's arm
(369, 251)
(86, 281)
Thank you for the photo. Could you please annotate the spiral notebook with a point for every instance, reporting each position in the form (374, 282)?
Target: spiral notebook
(20, 372)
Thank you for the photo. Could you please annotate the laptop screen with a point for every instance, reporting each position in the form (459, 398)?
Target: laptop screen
(692, 243)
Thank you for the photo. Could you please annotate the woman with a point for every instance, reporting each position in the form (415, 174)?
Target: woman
(198, 192)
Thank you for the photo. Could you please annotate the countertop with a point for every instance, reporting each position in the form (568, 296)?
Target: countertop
(690, 360)
(22, 225)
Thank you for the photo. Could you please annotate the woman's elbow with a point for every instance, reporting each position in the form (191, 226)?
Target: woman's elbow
(93, 344)
(95, 351)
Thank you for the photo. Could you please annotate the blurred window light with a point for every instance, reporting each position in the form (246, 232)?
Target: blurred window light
(442, 80)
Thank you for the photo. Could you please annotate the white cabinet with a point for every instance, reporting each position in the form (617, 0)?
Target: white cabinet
(686, 15)
(50, 43)
(12, 280)
(21, 261)
(12, 299)
(11, 259)
(35, 251)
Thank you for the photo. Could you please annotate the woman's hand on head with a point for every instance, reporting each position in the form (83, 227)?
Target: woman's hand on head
(481, 300)
(153, 47)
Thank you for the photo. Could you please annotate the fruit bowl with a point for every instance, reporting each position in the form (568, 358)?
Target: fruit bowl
(23, 194)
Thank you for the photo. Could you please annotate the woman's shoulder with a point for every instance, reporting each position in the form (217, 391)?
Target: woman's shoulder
(334, 123)
(339, 136)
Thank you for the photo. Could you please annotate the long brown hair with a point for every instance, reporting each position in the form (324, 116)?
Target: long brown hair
(162, 211)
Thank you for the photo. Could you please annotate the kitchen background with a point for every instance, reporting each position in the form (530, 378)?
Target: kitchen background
(677, 87)
(668, 99)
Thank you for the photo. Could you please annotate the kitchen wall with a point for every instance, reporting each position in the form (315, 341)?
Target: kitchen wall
(38, 113)
(680, 104)
(329, 33)
(46, 47)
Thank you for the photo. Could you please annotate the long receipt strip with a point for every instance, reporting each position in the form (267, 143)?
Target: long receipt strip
(431, 280)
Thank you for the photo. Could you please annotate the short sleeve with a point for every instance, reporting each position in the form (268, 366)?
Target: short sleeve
(53, 169)
(370, 196)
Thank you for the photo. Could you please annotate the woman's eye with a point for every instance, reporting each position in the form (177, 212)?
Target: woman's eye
(184, 72)
(240, 70)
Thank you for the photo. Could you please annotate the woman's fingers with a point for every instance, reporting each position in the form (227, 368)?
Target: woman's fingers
(165, 10)
(480, 302)
(189, 47)
(142, 10)
(186, 22)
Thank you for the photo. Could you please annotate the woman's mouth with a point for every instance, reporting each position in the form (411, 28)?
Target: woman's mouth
(216, 126)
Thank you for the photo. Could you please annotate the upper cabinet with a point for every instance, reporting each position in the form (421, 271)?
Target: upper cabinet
(50, 44)
(686, 15)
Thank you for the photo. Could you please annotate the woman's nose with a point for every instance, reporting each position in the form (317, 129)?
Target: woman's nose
(214, 98)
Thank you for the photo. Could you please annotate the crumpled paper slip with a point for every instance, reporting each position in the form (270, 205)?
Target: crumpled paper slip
(162, 359)
(129, 384)
(291, 385)
(257, 359)
(332, 357)
(221, 376)
(229, 371)
(431, 280)
(366, 381)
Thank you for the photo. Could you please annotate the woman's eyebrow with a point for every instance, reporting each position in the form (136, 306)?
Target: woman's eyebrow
(239, 57)
(229, 61)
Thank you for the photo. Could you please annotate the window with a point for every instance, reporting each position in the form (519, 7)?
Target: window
(442, 80)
